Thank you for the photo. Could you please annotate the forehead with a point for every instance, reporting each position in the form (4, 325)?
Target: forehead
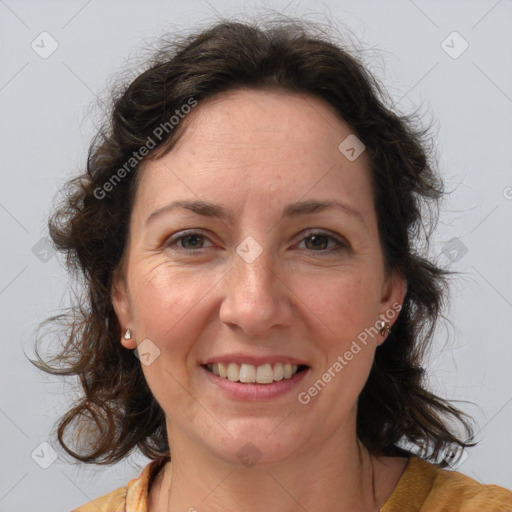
(262, 142)
(269, 119)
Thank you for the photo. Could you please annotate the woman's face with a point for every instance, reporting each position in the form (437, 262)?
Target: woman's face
(250, 270)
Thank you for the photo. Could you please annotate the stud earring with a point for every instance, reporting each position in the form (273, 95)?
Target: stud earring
(127, 335)
(385, 328)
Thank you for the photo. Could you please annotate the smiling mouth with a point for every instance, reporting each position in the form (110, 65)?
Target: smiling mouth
(251, 374)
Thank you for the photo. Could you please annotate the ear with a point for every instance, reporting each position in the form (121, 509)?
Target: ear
(392, 298)
(121, 303)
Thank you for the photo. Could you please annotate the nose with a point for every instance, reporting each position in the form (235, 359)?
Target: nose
(256, 296)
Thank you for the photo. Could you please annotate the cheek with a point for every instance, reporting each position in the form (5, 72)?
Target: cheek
(166, 305)
(169, 310)
(347, 309)
(344, 307)
(345, 303)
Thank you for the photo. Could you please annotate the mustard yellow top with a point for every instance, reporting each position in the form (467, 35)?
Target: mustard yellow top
(423, 487)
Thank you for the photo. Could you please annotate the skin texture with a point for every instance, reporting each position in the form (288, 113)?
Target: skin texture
(254, 152)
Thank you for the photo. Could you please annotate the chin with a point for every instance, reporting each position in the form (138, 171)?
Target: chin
(256, 442)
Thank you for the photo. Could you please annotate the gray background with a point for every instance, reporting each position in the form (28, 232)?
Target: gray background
(47, 121)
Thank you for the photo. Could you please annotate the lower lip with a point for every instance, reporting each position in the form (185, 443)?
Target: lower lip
(253, 391)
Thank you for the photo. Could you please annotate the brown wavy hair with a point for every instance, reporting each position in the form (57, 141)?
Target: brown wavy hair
(117, 412)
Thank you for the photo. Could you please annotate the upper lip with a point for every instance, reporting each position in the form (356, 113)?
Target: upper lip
(254, 360)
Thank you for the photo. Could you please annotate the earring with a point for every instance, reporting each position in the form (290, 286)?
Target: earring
(127, 335)
(385, 328)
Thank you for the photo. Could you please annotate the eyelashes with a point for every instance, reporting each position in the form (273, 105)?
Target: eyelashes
(318, 236)
(321, 241)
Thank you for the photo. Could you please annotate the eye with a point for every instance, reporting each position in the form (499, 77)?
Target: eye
(187, 240)
(192, 241)
(319, 242)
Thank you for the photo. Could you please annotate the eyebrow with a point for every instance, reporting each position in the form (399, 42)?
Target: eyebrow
(217, 211)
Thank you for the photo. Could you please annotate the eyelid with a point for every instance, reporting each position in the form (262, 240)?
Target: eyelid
(171, 240)
(341, 242)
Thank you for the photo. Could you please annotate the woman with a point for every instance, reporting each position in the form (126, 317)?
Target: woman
(256, 309)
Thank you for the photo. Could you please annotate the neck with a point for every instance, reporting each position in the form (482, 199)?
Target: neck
(334, 477)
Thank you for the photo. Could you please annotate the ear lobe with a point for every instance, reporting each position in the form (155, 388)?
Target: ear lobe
(123, 312)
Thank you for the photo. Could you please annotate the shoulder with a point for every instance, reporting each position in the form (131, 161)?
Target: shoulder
(132, 497)
(425, 487)
(464, 493)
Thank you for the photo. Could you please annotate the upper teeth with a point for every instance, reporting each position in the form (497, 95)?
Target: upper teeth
(263, 374)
